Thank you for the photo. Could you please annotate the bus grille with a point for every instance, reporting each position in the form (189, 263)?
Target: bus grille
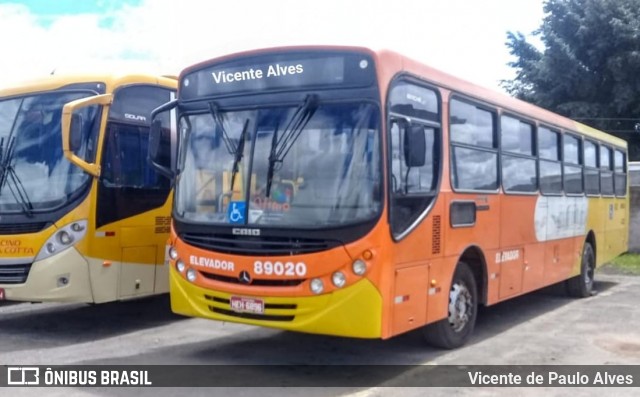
(14, 274)
(252, 316)
(250, 245)
(256, 282)
(23, 228)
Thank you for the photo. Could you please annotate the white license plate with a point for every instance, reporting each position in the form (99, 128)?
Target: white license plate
(241, 304)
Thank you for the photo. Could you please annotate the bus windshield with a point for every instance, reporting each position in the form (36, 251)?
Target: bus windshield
(310, 164)
(34, 175)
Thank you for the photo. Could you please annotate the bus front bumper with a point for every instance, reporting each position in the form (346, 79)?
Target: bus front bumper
(354, 311)
(60, 278)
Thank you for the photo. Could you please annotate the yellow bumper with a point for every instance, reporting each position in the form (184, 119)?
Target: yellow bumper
(45, 282)
(354, 311)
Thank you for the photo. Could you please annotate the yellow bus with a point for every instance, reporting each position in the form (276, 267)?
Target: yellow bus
(83, 217)
(360, 193)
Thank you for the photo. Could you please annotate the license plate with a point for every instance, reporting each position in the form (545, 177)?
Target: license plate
(2, 297)
(241, 304)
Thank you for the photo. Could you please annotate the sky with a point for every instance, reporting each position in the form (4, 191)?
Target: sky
(463, 37)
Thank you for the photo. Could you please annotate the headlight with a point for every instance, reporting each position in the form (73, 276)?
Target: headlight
(77, 226)
(62, 239)
(191, 275)
(317, 286)
(173, 253)
(359, 267)
(180, 266)
(339, 280)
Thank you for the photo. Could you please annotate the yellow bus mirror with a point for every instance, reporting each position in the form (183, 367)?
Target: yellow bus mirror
(72, 124)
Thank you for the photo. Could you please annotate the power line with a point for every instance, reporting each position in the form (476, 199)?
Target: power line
(609, 118)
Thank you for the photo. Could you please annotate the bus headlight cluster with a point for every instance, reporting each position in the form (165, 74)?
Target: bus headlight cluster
(180, 266)
(339, 279)
(173, 253)
(62, 239)
(359, 267)
(317, 286)
(191, 275)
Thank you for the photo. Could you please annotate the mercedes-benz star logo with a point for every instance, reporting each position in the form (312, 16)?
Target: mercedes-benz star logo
(244, 278)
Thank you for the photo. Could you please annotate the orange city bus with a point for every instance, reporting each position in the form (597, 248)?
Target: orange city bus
(343, 191)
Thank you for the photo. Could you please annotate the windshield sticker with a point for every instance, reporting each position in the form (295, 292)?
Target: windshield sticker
(235, 211)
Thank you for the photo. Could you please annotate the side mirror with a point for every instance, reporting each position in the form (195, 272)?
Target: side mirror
(75, 133)
(415, 146)
(155, 136)
(160, 151)
(72, 124)
(159, 155)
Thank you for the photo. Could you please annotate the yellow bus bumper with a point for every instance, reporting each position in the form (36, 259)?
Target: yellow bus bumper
(354, 311)
(46, 280)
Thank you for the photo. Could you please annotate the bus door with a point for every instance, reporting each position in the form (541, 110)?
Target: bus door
(132, 214)
(415, 163)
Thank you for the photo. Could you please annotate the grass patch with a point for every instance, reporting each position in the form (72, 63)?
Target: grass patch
(624, 264)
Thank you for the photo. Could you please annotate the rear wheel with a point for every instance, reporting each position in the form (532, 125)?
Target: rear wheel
(455, 330)
(581, 285)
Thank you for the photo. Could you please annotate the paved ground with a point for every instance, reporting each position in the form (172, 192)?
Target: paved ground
(544, 328)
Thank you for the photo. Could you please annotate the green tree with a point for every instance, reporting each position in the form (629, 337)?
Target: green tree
(589, 69)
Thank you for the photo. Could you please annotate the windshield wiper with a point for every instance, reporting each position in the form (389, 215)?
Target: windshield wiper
(217, 118)
(8, 173)
(280, 147)
(239, 153)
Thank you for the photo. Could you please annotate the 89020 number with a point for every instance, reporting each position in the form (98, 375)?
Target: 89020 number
(280, 269)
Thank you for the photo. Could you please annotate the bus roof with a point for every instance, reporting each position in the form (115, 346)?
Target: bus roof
(111, 81)
(390, 63)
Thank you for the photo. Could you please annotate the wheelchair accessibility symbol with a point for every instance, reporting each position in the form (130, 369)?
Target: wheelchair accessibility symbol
(236, 211)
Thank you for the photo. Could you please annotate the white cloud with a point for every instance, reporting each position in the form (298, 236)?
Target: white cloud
(464, 37)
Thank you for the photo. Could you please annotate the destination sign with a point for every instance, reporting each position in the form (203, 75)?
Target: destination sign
(278, 72)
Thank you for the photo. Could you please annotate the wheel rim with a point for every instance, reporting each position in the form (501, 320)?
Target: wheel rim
(460, 306)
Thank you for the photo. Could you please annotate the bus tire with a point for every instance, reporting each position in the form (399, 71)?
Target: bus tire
(581, 286)
(455, 330)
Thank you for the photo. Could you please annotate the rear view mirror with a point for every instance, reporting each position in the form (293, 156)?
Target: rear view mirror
(72, 125)
(415, 146)
(161, 145)
(155, 137)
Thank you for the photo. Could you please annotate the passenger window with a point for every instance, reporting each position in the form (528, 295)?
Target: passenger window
(620, 176)
(519, 171)
(472, 125)
(591, 172)
(606, 174)
(474, 151)
(550, 166)
(572, 169)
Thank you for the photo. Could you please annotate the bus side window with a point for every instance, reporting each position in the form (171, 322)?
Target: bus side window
(413, 173)
(127, 139)
(417, 179)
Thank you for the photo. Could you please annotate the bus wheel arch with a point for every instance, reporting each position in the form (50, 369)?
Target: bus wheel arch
(465, 293)
(582, 285)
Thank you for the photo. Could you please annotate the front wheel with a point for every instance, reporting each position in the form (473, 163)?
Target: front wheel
(455, 330)
(581, 286)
